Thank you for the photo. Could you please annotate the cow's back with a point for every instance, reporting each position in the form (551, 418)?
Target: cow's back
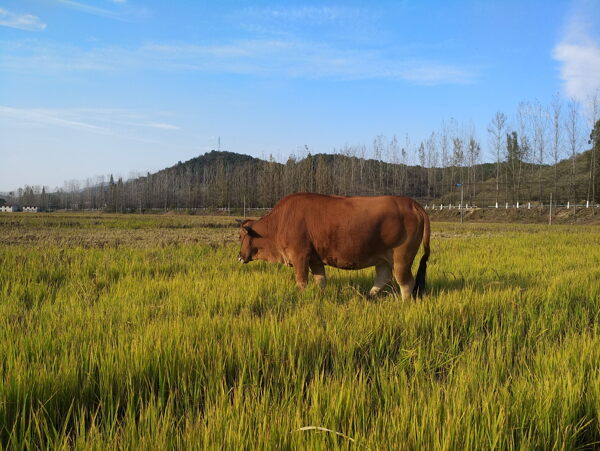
(345, 232)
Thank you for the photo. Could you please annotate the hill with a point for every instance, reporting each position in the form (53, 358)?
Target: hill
(226, 179)
(220, 179)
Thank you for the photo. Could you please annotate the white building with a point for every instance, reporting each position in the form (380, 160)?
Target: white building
(9, 208)
(31, 209)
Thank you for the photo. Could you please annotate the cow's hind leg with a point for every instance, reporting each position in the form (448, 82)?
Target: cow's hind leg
(318, 270)
(383, 274)
(403, 259)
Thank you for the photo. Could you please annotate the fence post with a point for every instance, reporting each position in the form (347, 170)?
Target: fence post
(529, 205)
(517, 204)
(550, 215)
(507, 205)
(496, 204)
(587, 204)
(568, 205)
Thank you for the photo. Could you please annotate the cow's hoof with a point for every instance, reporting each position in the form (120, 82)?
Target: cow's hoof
(372, 293)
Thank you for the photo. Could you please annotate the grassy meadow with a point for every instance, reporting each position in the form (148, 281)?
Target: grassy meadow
(144, 332)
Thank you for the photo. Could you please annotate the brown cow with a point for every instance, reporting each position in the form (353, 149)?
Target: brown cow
(307, 230)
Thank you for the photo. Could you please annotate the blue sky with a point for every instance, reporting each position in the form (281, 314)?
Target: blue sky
(96, 87)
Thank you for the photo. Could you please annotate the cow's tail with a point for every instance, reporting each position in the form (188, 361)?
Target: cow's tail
(419, 288)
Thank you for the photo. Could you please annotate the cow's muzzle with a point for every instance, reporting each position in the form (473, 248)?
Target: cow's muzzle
(242, 260)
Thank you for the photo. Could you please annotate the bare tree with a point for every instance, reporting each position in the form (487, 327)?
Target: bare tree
(395, 159)
(378, 146)
(473, 154)
(556, 135)
(496, 132)
(573, 129)
(423, 162)
(593, 117)
(539, 117)
(595, 142)
(431, 164)
(523, 118)
(405, 162)
(458, 158)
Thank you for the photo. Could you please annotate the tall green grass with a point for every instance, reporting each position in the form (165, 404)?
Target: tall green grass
(146, 344)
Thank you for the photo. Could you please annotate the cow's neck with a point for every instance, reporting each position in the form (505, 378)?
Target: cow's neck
(266, 227)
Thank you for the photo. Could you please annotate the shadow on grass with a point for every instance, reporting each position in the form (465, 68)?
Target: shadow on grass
(360, 282)
(438, 284)
(491, 281)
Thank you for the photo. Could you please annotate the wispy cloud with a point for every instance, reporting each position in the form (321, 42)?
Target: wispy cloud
(351, 24)
(46, 117)
(160, 125)
(120, 11)
(90, 9)
(114, 122)
(579, 51)
(258, 57)
(313, 14)
(21, 21)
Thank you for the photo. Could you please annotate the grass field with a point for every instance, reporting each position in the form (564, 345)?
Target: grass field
(144, 332)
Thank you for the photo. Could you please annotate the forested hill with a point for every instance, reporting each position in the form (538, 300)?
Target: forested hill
(221, 179)
(225, 179)
(216, 157)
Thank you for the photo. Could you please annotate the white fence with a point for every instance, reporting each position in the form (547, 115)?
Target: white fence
(506, 205)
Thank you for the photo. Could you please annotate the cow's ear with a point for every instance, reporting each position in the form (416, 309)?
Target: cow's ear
(250, 231)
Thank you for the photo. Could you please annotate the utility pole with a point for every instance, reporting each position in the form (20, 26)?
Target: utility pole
(550, 216)
(461, 201)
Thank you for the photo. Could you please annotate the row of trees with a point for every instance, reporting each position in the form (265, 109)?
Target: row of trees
(224, 179)
(539, 135)
(536, 152)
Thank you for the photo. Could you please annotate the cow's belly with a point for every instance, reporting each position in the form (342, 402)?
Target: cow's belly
(357, 262)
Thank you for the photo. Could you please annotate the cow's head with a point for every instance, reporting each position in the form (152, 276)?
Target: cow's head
(249, 246)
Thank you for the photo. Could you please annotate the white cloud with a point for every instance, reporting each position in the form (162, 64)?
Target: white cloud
(579, 51)
(104, 121)
(21, 21)
(120, 11)
(160, 125)
(259, 57)
(580, 68)
(314, 14)
(432, 73)
(45, 117)
(295, 58)
(89, 9)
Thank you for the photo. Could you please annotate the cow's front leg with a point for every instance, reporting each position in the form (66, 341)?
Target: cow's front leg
(300, 265)
(318, 270)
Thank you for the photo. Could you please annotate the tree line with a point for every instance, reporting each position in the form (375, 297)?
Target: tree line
(536, 152)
